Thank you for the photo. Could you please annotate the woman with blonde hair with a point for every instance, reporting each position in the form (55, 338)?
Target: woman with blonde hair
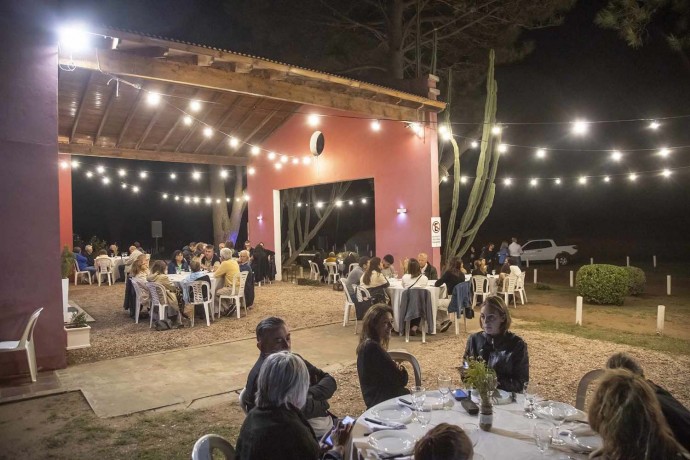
(375, 281)
(626, 414)
(380, 378)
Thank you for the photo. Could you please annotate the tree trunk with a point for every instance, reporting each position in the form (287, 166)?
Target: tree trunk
(226, 227)
(396, 62)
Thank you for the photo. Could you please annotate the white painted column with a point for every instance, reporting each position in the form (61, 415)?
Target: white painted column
(556, 263)
(527, 260)
(660, 314)
(654, 261)
(277, 240)
(627, 261)
(668, 284)
(591, 260)
(572, 277)
(578, 311)
(535, 276)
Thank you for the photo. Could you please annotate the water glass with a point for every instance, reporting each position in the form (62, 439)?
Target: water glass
(557, 413)
(472, 432)
(424, 418)
(444, 382)
(418, 397)
(530, 391)
(542, 436)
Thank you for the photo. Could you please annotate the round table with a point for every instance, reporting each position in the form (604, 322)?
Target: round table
(395, 293)
(510, 437)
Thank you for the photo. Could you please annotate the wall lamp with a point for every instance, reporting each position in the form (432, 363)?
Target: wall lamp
(402, 210)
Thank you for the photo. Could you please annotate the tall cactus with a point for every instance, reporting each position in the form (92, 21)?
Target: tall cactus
(460, 237)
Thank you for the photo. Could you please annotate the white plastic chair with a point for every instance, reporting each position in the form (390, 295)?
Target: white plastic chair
(402, 355)
(198, 297)
(77, 273)
(139, 286)
(508, 288)
(362, 293)
(237, 294)
(158, 299)
(520, 288)
(314, 273)
(333, 274)
(348, 304)
(26, 343)
(352, 267)
(480, 286)
(104, 267)
(205, 445)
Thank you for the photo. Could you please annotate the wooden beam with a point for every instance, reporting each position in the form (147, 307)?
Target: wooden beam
(81, 105)
(222, 80)
(215, 98)
(228, 113)
(256, 129)
(108, 106)
(130, 115)
(150, 155)
(233, 132)
(153, 120)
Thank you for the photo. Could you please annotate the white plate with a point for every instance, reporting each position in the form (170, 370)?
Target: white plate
(392, 442)
(503, 398)
(581, 444)
(541, 409)
(393, 413)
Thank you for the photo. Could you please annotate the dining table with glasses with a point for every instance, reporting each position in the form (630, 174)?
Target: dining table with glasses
(395, 291)
(117, 261)
(493, 283)
(519, 431)
(177, 279)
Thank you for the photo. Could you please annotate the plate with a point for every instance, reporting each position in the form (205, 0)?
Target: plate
(581, 444)
(541, 410)
(393, 413)
(503, 398)
(392, 442)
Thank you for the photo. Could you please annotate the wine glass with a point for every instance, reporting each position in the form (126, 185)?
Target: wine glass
(424, 418)
(444, 382)
(542, 436)
(557, 413)
(418, 397)
(530, 391)
(472, 432)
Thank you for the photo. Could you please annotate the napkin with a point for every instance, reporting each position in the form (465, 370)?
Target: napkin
(379, 425)
(425, 408)
(367, 452)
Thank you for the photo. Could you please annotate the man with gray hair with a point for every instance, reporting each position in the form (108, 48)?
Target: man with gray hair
(273, 335)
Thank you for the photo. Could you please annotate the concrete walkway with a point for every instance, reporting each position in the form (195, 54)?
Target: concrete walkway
(187, 377)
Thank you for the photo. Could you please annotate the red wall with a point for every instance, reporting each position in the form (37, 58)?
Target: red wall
(30, 224)
(65, 194)
(404, 168)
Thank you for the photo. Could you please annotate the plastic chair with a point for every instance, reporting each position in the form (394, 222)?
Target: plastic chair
(422, 323)
(352, 267)
(237, 294)
(26, 343)
(400, 356)
(77, 273)
(332, 268)
(241, 398)
(314, 273)
(104, 267)
(586, 379)
(158, 299)
(480, 286)
(198, 297)
(509, 283)
(520, 287)
(205, 445)
(348, 304)
(362, 293)
(139, 286)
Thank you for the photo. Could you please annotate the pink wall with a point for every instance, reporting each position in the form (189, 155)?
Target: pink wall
(65, 194)
(404, 168)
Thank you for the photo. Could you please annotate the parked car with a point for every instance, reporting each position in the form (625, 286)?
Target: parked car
(547, 250)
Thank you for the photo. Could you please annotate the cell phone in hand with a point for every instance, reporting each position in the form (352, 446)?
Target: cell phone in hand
(459, 394)
(347, 420)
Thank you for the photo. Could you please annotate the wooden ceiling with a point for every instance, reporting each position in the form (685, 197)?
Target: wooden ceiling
(241, 96)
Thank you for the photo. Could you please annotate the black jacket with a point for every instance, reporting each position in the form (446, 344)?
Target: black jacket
(677, 416)
(430, 272)
(450, 280)
(506, 354)
(379, 377)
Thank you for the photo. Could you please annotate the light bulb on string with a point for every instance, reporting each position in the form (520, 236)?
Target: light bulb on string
(106, 180)
(165, 196)
(580, 127)
(100, 169)
(541, 153)
(664, 152)
(208, 131)
(444, 179)
(195, 106)
(187, 199)
(217, 200)
(295, 161)
(666, 173)
(364, 201)
(135, 189)
(187, 120)
(177, 197)
(195, 200)
(271, 155)
(196, 175)
(278, 166)
(75, 164)
(255, 150)
(89, 174)
(416, 128)
(496, 130)
(123, 185)
(533, 182)
(299, 204)
(251, 170)
(632, 177)
(319, 204)
(208, 200)
(351, 203)
(607, 179)
(582, 180)
(234, 142)
(339, 203)
(306, 160)
(474, 144)
(245, 197)
(143, 175)
(283, 159)
(223, 173)
(64, 164)
(654, 125)
(502, 148)
(313, 120)
(376, 125)
(463, 179)
(616, 155)
(173, 176)
(507, 181)
(122, 173)
(558, 181)
(153, 98)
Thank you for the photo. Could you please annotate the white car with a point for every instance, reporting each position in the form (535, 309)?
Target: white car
(547, 250)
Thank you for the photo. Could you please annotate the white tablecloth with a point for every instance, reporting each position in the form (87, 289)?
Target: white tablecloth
(177, 279)
(117, 261)
(395, 293)
(510, 437)
(493, 283)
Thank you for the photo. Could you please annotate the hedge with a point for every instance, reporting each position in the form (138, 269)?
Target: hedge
(603, 284)
(636, 280)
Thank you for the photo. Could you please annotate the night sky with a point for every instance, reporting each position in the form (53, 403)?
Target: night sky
(576, 71)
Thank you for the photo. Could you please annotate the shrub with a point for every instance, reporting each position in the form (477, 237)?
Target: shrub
(636, 280)
(602, 283)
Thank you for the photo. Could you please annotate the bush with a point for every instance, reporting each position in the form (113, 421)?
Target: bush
(636, 280)
(602, 284)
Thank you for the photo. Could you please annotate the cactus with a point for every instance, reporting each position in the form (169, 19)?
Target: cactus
(459, 237)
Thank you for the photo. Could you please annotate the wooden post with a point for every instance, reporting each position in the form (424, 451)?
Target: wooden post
(654, 261)
(591, 260)
(535, 276)
(627, 261)
(661, 312)
(578, 311)
(527, 260)
(668, 284)
(571, 278)
(556, 263)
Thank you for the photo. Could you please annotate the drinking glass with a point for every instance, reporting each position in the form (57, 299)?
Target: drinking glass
(424, 418)
(542, 436)
(530, 391)
(444, 382)
(558, 415)
(418, 397)
(472, 432)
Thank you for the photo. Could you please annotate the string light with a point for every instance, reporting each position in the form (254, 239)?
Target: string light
(100, 169)
(416, 128)
(196, 175)
(89, 174)
(255, 150)
(364, 201)
(607, 179)
(124, 185)
(234, 142)
(664, 152)
(654, 125)
(339, 203)
(283, 159)
(295, 161)
(187, 199)
(245, 197)
(165, 196)
(444, 179)
(666, 173)
(496, 130)
(217, 200)
(351, 203)
(195, 106)
(271, 155)
(319, 204)
(507, 181)
(278, 166)
(187, 120)
(106, 180)
(135, 189)
(463, 179)
(223, 173)
(632, 177)
(153, 98)
(299, 204)
(313, 120)
(558, 181)
(75, 164)
(541, 153)
(533, 182)
(177, 197)
(195, 199)
(474, 144)
(122, 173)
(173, 176)
(502, 148)
(582, 180)
(64, 164)
(143, 174)
(580, 127)
(208, 200)
(306, 160)
(251, 170)
(616, 155)
(375, 126)
(208, 131)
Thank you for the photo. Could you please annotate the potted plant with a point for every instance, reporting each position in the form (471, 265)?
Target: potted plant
(67, 265)
(78, 332)
(482, 379)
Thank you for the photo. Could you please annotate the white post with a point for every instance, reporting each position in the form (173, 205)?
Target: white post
(571, 278)
(654, 261)
(527, 260)
(535, 276)
(661, 312)
(556, 263)
(578, 311)
(591, 260)
(668, 284)
(627, 261)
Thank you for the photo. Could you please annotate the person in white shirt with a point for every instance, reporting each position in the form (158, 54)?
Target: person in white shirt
(134, 254)
(515, 251)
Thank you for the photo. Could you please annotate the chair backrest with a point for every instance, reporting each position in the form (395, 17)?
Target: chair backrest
(347, 292)
(332, 268)
(241, 398)
(139, 285)
(28, 335)
(352, 267)
(203, 448)
(314, 268)
(243, 281)
(520, 283)
(509, 283)
(198, 292)
(361, 293)
(104, 265)
(586, 379)
(238, 282)
(76, 266)
(479, 282)
(400, 355)
(157, 292)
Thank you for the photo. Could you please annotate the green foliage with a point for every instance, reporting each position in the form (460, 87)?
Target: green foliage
(78, 320)
(66, 262)
(636, 280)
(480, 377)
(602, 284)
(97, 245)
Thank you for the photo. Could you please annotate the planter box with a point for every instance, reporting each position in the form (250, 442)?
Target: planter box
(78, 337)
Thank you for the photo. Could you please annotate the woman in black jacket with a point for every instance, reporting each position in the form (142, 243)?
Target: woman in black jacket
(380, 378)
(503, 351)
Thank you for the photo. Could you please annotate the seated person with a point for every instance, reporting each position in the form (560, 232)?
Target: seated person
(414, 279)
(248, 247)
(199, 250)
(272, 336)
(88, 253)
(403, 265)
(444, 441)
(375, 282)
(178, 264)
(195, 274)
(626, 414)
(245, 266)
(454, 275)
(140, 271)
(113, 250)
(158, 275)
(387, 267)
(503, 351)
(677, 416)
(134, 253)
(83, 262)
(380, 378)
(428, 269)
(350, 258)
(226, 271)
(513, 269)
(210, 261)
(355, 276)
(102, 254)
(276, 428)
(479, 268)
(331, 258)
